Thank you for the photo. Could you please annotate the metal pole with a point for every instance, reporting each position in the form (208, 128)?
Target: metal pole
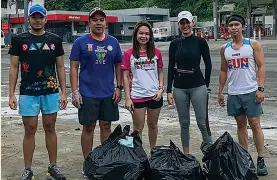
(99, 1)
(274, 10)
(26, 15)
(215, 16)
(249, 24)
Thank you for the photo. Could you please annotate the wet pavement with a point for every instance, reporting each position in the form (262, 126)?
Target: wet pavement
(219, 120)
(168, 122)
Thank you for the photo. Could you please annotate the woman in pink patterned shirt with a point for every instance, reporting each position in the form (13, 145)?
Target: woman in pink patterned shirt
(143, 80)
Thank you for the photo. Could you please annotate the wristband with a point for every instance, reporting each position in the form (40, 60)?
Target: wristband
(120, 87)
(260, 88)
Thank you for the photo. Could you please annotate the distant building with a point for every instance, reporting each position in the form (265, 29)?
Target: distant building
(71, 24)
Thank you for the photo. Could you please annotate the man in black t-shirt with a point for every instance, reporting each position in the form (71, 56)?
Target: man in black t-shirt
(40, 55)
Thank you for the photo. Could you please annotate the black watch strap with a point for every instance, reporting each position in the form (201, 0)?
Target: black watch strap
(119, 87)
(260, 88)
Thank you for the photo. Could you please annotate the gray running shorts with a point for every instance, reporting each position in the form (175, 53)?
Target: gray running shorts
(244, 104)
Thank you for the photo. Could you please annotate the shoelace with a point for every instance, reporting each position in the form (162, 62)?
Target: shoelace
(57, 170)
(25, 173)
(260, 164)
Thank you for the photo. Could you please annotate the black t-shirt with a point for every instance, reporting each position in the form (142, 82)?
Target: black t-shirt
(184, 63)
(37, 57)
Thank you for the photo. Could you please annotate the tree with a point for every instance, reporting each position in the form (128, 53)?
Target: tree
(68, 5)
(203, 9)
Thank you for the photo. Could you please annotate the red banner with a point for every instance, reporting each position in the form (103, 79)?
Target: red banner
(5, 25)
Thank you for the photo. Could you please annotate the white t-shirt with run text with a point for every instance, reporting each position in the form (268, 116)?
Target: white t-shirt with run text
(242, 76)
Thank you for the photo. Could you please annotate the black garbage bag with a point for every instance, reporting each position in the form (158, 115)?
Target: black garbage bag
(227, 160)
(113, 160)
(169, 163)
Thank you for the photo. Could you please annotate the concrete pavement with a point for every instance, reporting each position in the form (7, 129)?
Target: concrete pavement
(70, 158)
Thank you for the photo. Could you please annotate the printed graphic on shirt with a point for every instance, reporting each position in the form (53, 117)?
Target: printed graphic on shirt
(52, 46)
(110, 48)
(24, 47)
(32, 48)
(39, 45)
(25, 67)
(52, 83)
(45, 47)
(237, 54)
(238, 63)
(144, 63)
(90, 47)
(100, 54)
(39, 73)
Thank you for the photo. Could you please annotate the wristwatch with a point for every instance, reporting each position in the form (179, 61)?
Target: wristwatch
(120, 87)
(260, 88)
(161, 88)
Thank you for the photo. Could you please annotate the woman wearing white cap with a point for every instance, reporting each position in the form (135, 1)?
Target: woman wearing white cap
(189, 83)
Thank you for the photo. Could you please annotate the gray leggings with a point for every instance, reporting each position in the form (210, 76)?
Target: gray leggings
(197, 96)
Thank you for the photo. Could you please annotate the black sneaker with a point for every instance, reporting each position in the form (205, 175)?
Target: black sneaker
(27, 174)
(261, 168)
(84, 176)
(54, 173)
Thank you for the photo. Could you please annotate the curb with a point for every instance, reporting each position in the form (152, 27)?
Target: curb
(270, 49)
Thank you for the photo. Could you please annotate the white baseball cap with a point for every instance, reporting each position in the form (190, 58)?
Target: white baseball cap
(185, 15)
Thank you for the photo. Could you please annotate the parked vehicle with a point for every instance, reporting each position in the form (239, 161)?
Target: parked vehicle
(165, 31)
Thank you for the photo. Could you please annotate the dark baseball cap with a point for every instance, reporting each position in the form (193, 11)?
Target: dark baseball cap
(96, 10)
(37, 9)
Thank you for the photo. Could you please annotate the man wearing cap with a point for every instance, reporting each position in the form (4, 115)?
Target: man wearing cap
(96, 96)
(239, 59)
(185, 75)
(40, 55)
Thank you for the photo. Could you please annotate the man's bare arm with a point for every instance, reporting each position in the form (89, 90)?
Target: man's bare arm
(118, 74)
(259, 59)
(13, 74)
(61, 73)
(223, 70)
(74, 67)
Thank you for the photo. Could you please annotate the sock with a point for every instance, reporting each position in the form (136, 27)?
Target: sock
(260, 158)
(52, 164)
(28, 167)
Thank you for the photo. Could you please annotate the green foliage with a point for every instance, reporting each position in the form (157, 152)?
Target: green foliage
(241, 9)
(70, 5)
(203, 9)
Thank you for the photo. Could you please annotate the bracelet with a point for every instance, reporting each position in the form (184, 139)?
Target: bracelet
(120, 87)
(75, 91)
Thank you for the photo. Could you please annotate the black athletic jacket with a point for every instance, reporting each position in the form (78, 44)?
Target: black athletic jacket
(184, 63)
